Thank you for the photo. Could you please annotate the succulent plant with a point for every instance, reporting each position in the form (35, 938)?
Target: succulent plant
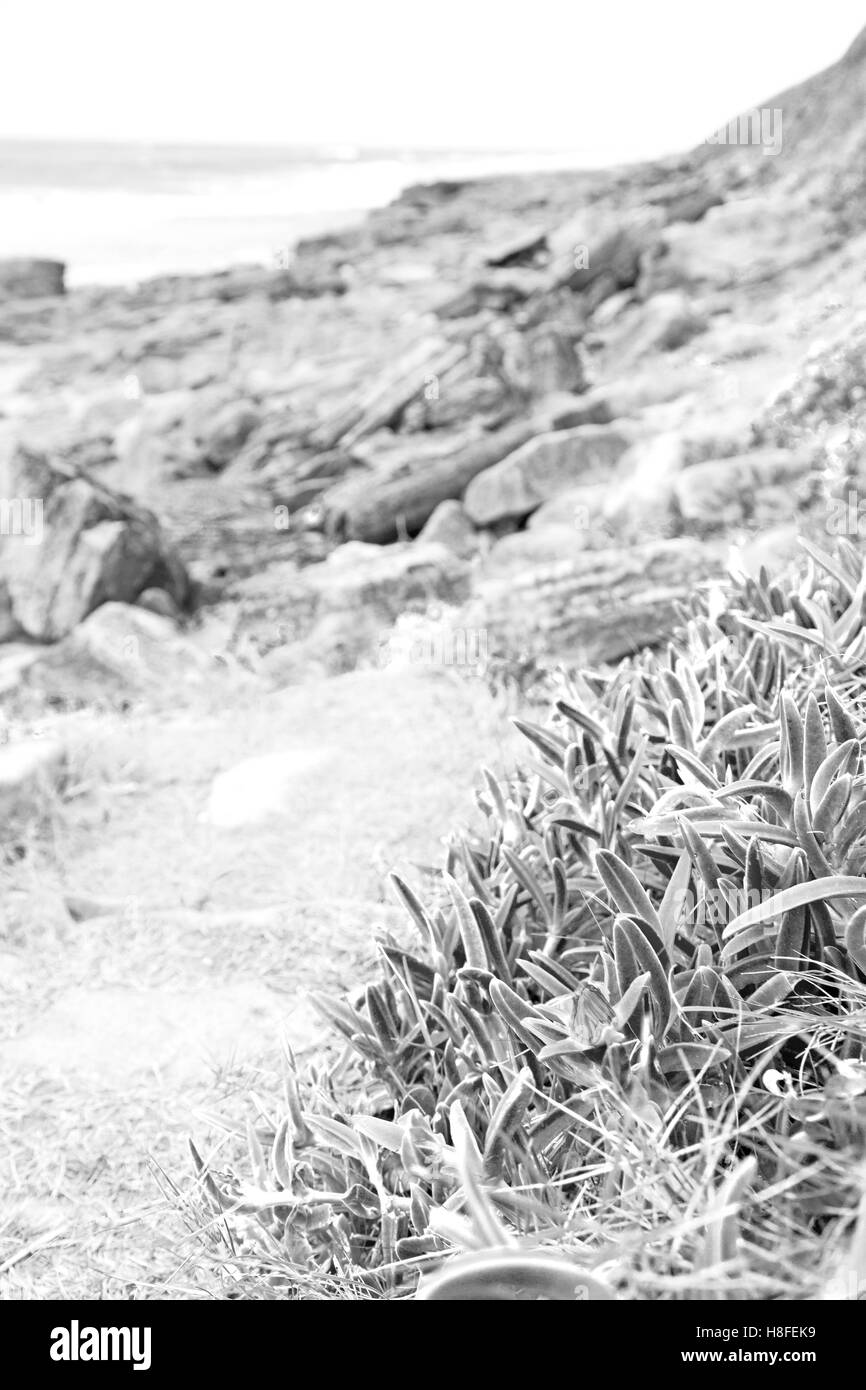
(573, 1081)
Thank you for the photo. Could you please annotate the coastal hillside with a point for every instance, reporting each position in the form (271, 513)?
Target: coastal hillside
(823, 127)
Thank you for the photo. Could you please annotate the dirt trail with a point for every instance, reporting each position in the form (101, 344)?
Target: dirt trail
(227, 859)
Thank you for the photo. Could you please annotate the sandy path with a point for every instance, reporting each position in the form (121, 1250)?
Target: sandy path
(119, 1030)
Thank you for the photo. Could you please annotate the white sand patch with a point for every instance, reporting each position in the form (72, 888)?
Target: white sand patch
(258, 788)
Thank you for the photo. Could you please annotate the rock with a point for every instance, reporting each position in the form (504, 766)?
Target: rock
(83, 907)
(564, 410)
(543, 359)
(15, 657)
(612, 400)
(685, 201)
(761, 487)
(544, 466)
(69, 544)
(635, 502)
(296, 479)
(158, 601)
(594, 606)
(104, 414)
(357, 553)
(227, 433)
(716, 440)
(387, 581)
(339, 642)
(581, 509)
(383, 504)
(405, 273)
(603, 247)
(456, 402)
(732, 341)
(29, 774)
(663, 323)
(307, 278)
(610, 309)
(497, 290)
(116, 653)
(301, 280)
(281, 433)
(68, 443)
(450, 526)
(743, 242)
(521, 249)
(640, 501)
(24, 278)
(540, 545)
(147, 450)
(383, 403)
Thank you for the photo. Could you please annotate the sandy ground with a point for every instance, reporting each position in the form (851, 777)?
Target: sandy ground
(225, 859)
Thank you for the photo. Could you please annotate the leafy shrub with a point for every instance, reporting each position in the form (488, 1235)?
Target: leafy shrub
(632, 1037)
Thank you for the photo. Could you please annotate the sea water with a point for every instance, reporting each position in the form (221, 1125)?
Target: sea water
(122, 212)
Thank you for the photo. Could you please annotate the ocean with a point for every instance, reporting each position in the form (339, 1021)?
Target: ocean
(122, 212)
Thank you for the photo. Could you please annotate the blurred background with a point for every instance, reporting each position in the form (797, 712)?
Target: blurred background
(192, 137)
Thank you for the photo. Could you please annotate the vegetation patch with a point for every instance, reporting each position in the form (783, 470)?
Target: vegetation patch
(627, 1057)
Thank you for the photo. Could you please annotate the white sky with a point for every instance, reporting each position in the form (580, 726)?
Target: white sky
(631, 76)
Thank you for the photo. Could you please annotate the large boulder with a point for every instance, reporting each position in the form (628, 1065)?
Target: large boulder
(634, 504)
(627, 398)
(565, 409)
(223, 436)
(581, 509)
(603, 251)
(411, 476)
(746, 241)
(540, 469)
(450, 526)
(67, 545)
(541, 545)
(543, 359)
(117, 654)
(330, 616)
(588, 606)
(457, 400)
(664, 323)
(387, 580)
(26, 278)
(761, 488)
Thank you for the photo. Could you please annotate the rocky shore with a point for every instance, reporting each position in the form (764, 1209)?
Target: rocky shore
(548, 403)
